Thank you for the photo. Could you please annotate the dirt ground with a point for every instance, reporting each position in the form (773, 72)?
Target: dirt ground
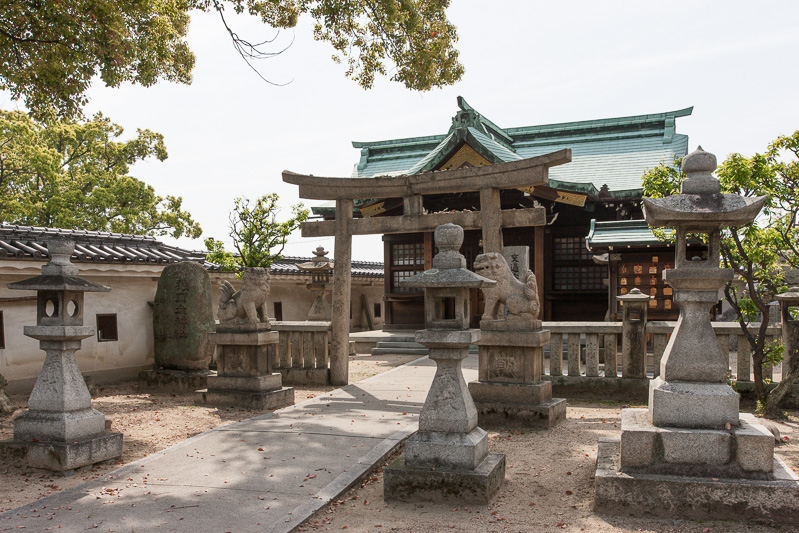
(548, 483)
(150, 421)
(548, 486)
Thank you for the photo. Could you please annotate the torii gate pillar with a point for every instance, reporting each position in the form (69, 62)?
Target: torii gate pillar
(342, 285)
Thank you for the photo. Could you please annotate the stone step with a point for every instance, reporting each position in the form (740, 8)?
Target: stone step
(400, 351)
(396, 344)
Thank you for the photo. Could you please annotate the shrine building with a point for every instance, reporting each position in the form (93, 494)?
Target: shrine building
(601, 183)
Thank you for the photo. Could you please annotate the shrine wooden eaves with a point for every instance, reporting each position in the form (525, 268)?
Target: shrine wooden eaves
(487, 179)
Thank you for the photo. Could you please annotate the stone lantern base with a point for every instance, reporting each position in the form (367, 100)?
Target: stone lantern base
(774, 500)
(404, 482)
(510, 388)
(244, 372)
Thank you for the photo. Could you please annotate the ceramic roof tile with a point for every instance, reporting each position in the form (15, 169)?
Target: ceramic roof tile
(613, 152)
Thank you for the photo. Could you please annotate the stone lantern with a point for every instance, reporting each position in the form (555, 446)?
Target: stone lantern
(448, 457)
(61, 429)
(789, 302)
(691, 454)
(320, 268)
(633, 345)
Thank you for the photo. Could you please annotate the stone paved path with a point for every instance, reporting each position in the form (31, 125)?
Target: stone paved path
(267, 473)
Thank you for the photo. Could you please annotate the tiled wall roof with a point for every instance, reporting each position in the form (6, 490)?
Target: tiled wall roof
(30, 242)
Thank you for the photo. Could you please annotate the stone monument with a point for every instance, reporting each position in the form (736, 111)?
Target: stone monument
(60, 429)
(510, 385)
(244, 367)
(183, 318)
(692, 454)
(319, 267)
(447, 458)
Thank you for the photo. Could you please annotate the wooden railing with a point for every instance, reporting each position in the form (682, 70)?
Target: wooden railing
(588, 343)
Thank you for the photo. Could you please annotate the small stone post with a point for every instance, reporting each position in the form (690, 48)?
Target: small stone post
(244, 367)
(633, 340)
(448, 457)
(790, 329)
(61, 430)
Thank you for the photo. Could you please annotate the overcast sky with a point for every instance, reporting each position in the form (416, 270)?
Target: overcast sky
(527, 62)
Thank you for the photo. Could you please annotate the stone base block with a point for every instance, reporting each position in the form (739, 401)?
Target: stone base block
(305, 376)
(774, 501)
(266, 383)
(176, 380)
(65, 426)
(745, 451)
(402, 482)
(544, 415)
(438, 449)
(511, 393)
(65, 456)
(257, 401)
(692, 405)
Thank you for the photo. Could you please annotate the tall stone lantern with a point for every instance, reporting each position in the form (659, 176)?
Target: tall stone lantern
(448, 457)
(320, 268)
(61, 429)
(692, 444)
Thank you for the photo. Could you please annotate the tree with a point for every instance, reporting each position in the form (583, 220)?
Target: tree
(49, 51)
(72, 174)
(758, 253)
(257, 236)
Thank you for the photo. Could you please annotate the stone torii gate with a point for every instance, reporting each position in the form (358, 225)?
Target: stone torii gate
(488, 180)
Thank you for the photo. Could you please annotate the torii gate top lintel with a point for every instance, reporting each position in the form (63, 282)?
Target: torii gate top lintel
(488, 180)
(513, 174)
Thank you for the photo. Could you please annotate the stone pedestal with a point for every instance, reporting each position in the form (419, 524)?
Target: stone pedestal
(244, 370)
(447, 459)
(510, 388)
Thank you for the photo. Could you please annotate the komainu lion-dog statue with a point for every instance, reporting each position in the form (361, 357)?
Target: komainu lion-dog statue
(520, 299)
(249, 304)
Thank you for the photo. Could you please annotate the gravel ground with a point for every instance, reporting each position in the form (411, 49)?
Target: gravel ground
(549, 485)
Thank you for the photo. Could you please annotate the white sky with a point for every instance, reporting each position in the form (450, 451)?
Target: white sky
(527, 62)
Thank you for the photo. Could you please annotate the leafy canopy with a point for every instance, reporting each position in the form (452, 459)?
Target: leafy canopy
(75, 175)
(50, 50)
(257, 235)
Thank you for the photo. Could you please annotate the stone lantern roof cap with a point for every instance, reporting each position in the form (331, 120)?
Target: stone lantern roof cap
(791, 296)
(635, 295)
(701, 204)
(58, 283)
(448, 277)
(59, 274)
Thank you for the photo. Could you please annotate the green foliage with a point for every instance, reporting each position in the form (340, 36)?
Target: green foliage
(50, 51)
(75, 175)
(257, 235)
(217, 254)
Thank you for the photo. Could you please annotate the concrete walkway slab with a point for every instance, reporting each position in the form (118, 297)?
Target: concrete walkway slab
(267, 473)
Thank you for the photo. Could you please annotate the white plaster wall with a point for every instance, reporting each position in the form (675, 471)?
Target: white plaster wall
(132, 289)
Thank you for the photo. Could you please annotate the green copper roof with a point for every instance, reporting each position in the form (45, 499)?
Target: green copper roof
(623, 233)
(614, 152)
